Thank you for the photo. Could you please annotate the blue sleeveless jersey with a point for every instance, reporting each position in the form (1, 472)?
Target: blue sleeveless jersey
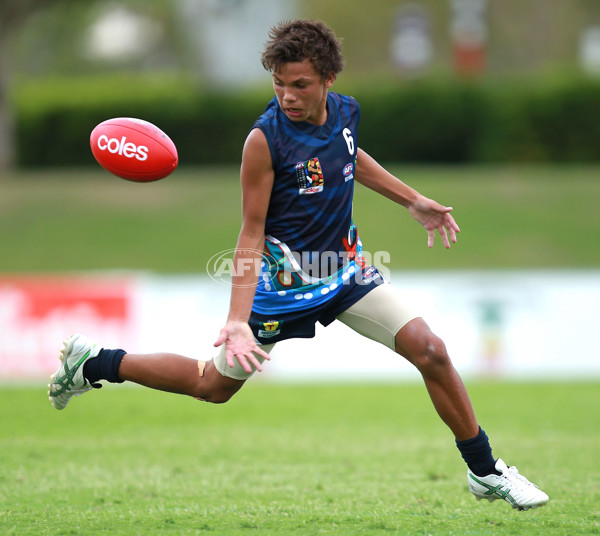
(312, 248)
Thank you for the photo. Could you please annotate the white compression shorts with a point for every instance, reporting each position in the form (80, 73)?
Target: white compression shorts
(379, 315)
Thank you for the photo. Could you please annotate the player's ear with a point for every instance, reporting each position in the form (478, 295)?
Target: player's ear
(329, 80)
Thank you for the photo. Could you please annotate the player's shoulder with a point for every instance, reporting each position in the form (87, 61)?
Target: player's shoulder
(345, 102)
(266, 126)
(269, 116)
(256, 140)
(343, 99)
(257, 161)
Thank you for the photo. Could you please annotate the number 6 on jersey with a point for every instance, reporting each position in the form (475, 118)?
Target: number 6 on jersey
(347, 133)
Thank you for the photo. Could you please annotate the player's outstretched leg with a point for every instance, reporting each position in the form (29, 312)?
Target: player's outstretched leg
(84, 363)
(509, 485)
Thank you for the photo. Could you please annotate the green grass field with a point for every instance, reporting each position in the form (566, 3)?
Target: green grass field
(511, 217)
(291, 460)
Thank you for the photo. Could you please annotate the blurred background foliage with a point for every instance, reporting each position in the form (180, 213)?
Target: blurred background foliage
(511, 82)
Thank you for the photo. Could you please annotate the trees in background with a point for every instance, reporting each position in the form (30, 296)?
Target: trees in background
(48, 37)
(13, 15)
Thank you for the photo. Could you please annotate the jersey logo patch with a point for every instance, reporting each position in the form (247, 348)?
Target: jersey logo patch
(310, 176)
(348, 172)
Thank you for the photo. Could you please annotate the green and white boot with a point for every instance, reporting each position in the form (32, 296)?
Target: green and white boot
(511, 486)
(68, 380)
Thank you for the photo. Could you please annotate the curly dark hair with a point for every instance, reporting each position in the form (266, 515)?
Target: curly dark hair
(297, 40)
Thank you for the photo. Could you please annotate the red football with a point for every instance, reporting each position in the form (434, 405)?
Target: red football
(133, 149)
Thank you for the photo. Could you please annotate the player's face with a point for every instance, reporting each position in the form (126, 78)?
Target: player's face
(302, 92)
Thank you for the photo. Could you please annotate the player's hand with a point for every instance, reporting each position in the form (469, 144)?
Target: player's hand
(240, 344)
(432, 216)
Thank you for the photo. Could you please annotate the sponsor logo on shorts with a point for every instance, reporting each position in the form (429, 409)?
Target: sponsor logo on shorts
(369, 275)
(271, 328)
(369, 272)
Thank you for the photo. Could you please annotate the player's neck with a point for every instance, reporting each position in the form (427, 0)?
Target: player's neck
(321, 115)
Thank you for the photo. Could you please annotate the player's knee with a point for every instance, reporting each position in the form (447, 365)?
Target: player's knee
(213, 387)
(212, 399)
(433, 356)
(212, 394)
(222, 395)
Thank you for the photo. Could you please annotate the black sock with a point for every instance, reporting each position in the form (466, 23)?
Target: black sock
(478, 454)
(105, 366)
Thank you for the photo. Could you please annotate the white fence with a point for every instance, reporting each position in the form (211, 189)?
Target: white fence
(530, 325)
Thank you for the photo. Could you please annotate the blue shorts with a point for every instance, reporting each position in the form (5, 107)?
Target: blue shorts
(274, 327)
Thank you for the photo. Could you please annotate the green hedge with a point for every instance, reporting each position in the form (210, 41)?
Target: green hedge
(449, 122)
(423, 122)
(55, 119)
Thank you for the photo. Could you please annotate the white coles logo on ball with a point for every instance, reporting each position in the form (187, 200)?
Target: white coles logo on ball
(123, 147)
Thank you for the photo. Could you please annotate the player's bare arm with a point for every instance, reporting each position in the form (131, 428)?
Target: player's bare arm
(427, 212)
(257, 181)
